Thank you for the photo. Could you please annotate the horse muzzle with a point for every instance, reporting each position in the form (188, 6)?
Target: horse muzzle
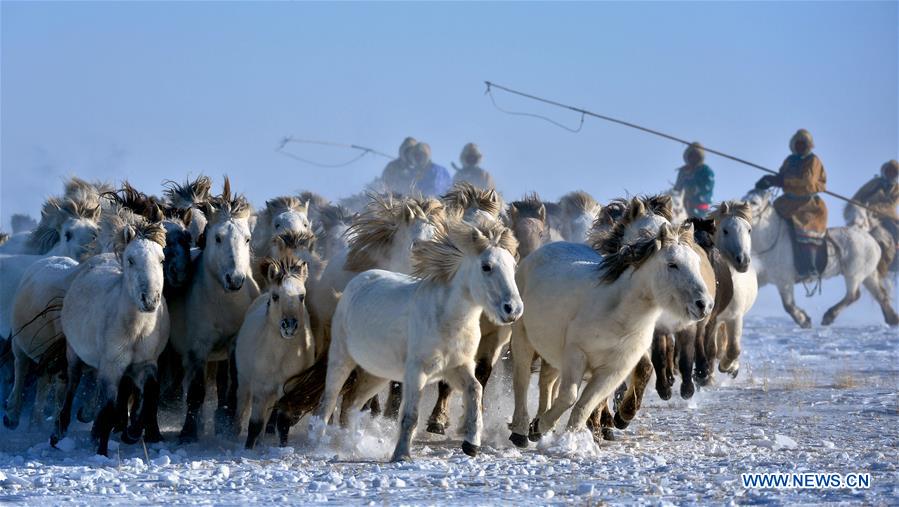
(149, 303)
(289, 328)
(741, 263)
(234, 283)
(700, 308)
(510, 311)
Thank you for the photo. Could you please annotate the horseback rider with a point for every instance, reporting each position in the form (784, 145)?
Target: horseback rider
(881, 194)
(428, 178)
(471, 170)
(697, 181)
(802, 177)
(398, 171)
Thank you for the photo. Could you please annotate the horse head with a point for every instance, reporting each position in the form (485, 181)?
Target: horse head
(226, 240)
(140, 248)
(286, 308)
(733, 229)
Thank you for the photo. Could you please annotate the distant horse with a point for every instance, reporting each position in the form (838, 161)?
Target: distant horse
(469, 203)
(597, 315)
(578, 212)
(275, 342)
(281, 214)
(207, 315)
(116, 321)
(419, 330)
(851, 252)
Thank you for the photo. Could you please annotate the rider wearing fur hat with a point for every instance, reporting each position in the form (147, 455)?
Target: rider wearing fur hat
(802, 177)
(696, 180)
(471, 170)
(881, 195)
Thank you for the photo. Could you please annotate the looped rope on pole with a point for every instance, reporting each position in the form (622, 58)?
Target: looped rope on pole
(584, 112)
(533, 115)
(365, 151)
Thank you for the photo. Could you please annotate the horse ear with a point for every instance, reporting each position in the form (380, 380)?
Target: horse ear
(541, 212)
(686, 232)
(637, 208)
(304, 270)
(186, 217)
(513, 212)
(271, 269)
(408, 213)
(226, 190)
(725, 208)
(128, 234)
(305, 206)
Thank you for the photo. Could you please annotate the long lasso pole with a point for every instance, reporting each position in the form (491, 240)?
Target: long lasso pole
(585, 112)
(363, 149)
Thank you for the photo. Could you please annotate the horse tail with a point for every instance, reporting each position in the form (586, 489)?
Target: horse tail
(304, 391)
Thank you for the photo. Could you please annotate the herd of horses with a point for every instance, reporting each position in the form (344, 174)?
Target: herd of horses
(124, 304)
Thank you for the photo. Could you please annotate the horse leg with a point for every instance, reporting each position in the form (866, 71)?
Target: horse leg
(110, 379)
(602, 383)
(852, 295)
(633, 398)
(72, 379)
(394, 397)
(686, 347)
(789, 303)
(226, 387)
(340, 366)
(573, 367)
(730, 363)
(126, 389)
(195, 374)
(704, 350)
(89, 397)
(466, 380)
(522, 357)
(150, 406)
(413, 383)
(262, 405)
(659, 363)
(547, 386)
(14, 402)
(367, 385)
(439, 419)
(601, 422)
(244, 396)
(874, 286)
(270, 426)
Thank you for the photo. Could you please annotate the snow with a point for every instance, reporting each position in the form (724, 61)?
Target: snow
(821, 400)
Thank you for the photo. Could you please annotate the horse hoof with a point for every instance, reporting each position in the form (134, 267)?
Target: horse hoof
(806, 324)
(470, 449)
(131, 436)
(519, 440)
(54, 439)
(82, 417)
(9, 423)
(436, 428)
(701, 378)
(619, 422)
(608, 434)
(534, 434)
(687, 390)
(152, 437)
(664, 392)
(401, 457)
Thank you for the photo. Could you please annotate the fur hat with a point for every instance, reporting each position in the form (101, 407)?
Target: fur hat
(696, 148)
(805, 135)
(470, 150)
(890, 170)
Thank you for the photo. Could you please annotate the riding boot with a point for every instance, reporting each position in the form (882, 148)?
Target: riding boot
(808, 261)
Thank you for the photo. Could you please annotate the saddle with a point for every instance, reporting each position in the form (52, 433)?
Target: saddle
(810, 259)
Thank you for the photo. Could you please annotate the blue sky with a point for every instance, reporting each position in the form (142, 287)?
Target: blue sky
(149, 91)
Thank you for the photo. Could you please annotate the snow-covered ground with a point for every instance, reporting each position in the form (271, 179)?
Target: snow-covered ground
(822, 400)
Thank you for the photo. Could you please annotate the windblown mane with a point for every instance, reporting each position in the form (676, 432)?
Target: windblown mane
(373, 230)
(610, 241)
(333, 215)
(54, 214)
(136, 201)
(120, 225)
(464, 196)
(226, 206)
(291, 241)
(86, 193)
(278, 270)
(577, 201)
(737, 209)
(529, 207)
(633, 256)
(439, 259)
(315, 201)
(283, 204)
(188, 195)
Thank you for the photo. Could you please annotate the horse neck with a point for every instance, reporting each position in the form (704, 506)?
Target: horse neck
(637, 306)
(459, 307)
(767, 232)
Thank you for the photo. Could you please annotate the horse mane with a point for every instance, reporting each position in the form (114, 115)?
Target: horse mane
(464, 195)
(226, 206)
(85, 192)
(633, 256)
(285, 203)
(333, 215)
(439, 259)
(278, 270)
(737, 209)
(314, 200)
(54, 213)
(121, 225)
(373, 230)
(188, 195)
(138, 202)
(529, 207)
(293, 240)
(606, 242)
(703, 231)
(577, 201)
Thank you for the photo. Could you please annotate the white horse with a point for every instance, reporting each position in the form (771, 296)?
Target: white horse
(281, 214)
(275, 343)
(116, 321)
(851, 252)
(208, 314)
(596, 315)
(185, 200)
(579, 211)
(419, 330)
(69, 229)
(470, 203)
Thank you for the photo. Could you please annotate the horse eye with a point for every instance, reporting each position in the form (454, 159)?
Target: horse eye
(131, 262)
(486, 268)
(275, 298)
(247, 241)
(277, 226)
(68, 235)
(725, 232)
(750, 229)
(672, 265)
(302, 298)
(218, 239)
